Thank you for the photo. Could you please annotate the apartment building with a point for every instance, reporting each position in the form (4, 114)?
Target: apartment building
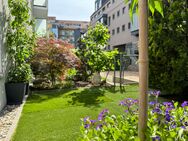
(69, 31)
(40, 13)
(115, 15)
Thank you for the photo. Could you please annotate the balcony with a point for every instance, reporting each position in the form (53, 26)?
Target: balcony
(40, 9)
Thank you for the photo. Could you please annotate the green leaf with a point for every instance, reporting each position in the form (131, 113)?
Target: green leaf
(152, 6)
(159, 7)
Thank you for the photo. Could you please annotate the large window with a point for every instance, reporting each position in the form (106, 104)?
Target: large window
(41, 26)
(40, 2)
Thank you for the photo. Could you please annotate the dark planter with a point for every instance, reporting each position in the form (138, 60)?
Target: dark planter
(15, 93)
(27, 89)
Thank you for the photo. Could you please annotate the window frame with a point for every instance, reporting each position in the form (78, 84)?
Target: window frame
(118, 13)
(118, 30)
(129, 25)
(123, 27)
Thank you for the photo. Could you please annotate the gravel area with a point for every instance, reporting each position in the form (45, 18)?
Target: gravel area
(7, 117)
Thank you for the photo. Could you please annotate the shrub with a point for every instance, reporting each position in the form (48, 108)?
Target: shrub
(51, 60)
(166, 122)
(168, 51)
(71, 73)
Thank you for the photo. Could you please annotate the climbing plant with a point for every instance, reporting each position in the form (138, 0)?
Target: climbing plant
(20, 38)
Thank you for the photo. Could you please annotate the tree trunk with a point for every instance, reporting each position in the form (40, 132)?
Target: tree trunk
(143, 68)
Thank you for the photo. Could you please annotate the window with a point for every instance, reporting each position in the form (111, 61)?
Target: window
(123, 10)
(117, 30)
(41, 26)
(108, 5)
(108, 47)
(113, 1)
(99, 12)
(123, 27)
(118, 13)
(113, 31)
(103, 9)
(129, 25)
(113, 16)
(40, 2)
(109, 20)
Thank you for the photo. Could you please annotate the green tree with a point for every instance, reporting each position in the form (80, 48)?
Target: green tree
(168, 51)
(91, 51)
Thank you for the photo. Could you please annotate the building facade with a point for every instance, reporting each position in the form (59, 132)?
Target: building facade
(40, 13)
(123, 33)
(3, 55)
(69, 31)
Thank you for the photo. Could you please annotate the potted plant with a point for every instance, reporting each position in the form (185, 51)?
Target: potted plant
(20, 41)
(17, 83)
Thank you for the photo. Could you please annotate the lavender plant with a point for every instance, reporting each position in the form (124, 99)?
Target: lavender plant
(167, 121)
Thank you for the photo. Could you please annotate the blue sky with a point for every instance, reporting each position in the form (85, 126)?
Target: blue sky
(71, 9)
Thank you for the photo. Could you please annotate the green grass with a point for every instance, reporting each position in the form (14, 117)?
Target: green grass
(55, 115)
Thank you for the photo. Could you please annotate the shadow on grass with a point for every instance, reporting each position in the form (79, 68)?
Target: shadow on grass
(123, 89)
(93, 96)
(41, 96)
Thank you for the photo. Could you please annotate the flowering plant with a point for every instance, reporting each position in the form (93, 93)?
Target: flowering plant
(167, 121)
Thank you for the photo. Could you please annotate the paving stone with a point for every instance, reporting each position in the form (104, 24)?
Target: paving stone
(7, 116)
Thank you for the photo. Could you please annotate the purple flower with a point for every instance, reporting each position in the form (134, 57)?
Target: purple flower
(173, 125)
(99, 127)
(103, 114)
(184, 104)
(121, 103)
(86, 126)
(152, 103)
(86, 119)
(155, 93)
(167, 117)
(183, 127)
(128, 102)
(92, 121)
(126, 111)
(156, 138)
(157, 110)
(168, 104)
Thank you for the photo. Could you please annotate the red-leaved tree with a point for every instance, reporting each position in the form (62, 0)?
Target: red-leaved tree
(51, 59)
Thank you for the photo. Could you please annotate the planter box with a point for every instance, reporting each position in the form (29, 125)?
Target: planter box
(15, 93)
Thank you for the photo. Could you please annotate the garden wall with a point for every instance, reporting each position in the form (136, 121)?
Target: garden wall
(3, 55)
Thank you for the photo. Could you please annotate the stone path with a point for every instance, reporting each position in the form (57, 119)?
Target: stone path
(9, 118)
(129, 76)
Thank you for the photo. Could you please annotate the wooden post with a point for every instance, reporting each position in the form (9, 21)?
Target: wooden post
(143, 68)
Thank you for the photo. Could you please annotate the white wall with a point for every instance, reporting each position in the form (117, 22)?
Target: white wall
(3, 55)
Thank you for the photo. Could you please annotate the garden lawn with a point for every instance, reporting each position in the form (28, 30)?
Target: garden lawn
(55, 115)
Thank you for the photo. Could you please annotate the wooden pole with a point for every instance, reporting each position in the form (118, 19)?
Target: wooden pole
(143, 68)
